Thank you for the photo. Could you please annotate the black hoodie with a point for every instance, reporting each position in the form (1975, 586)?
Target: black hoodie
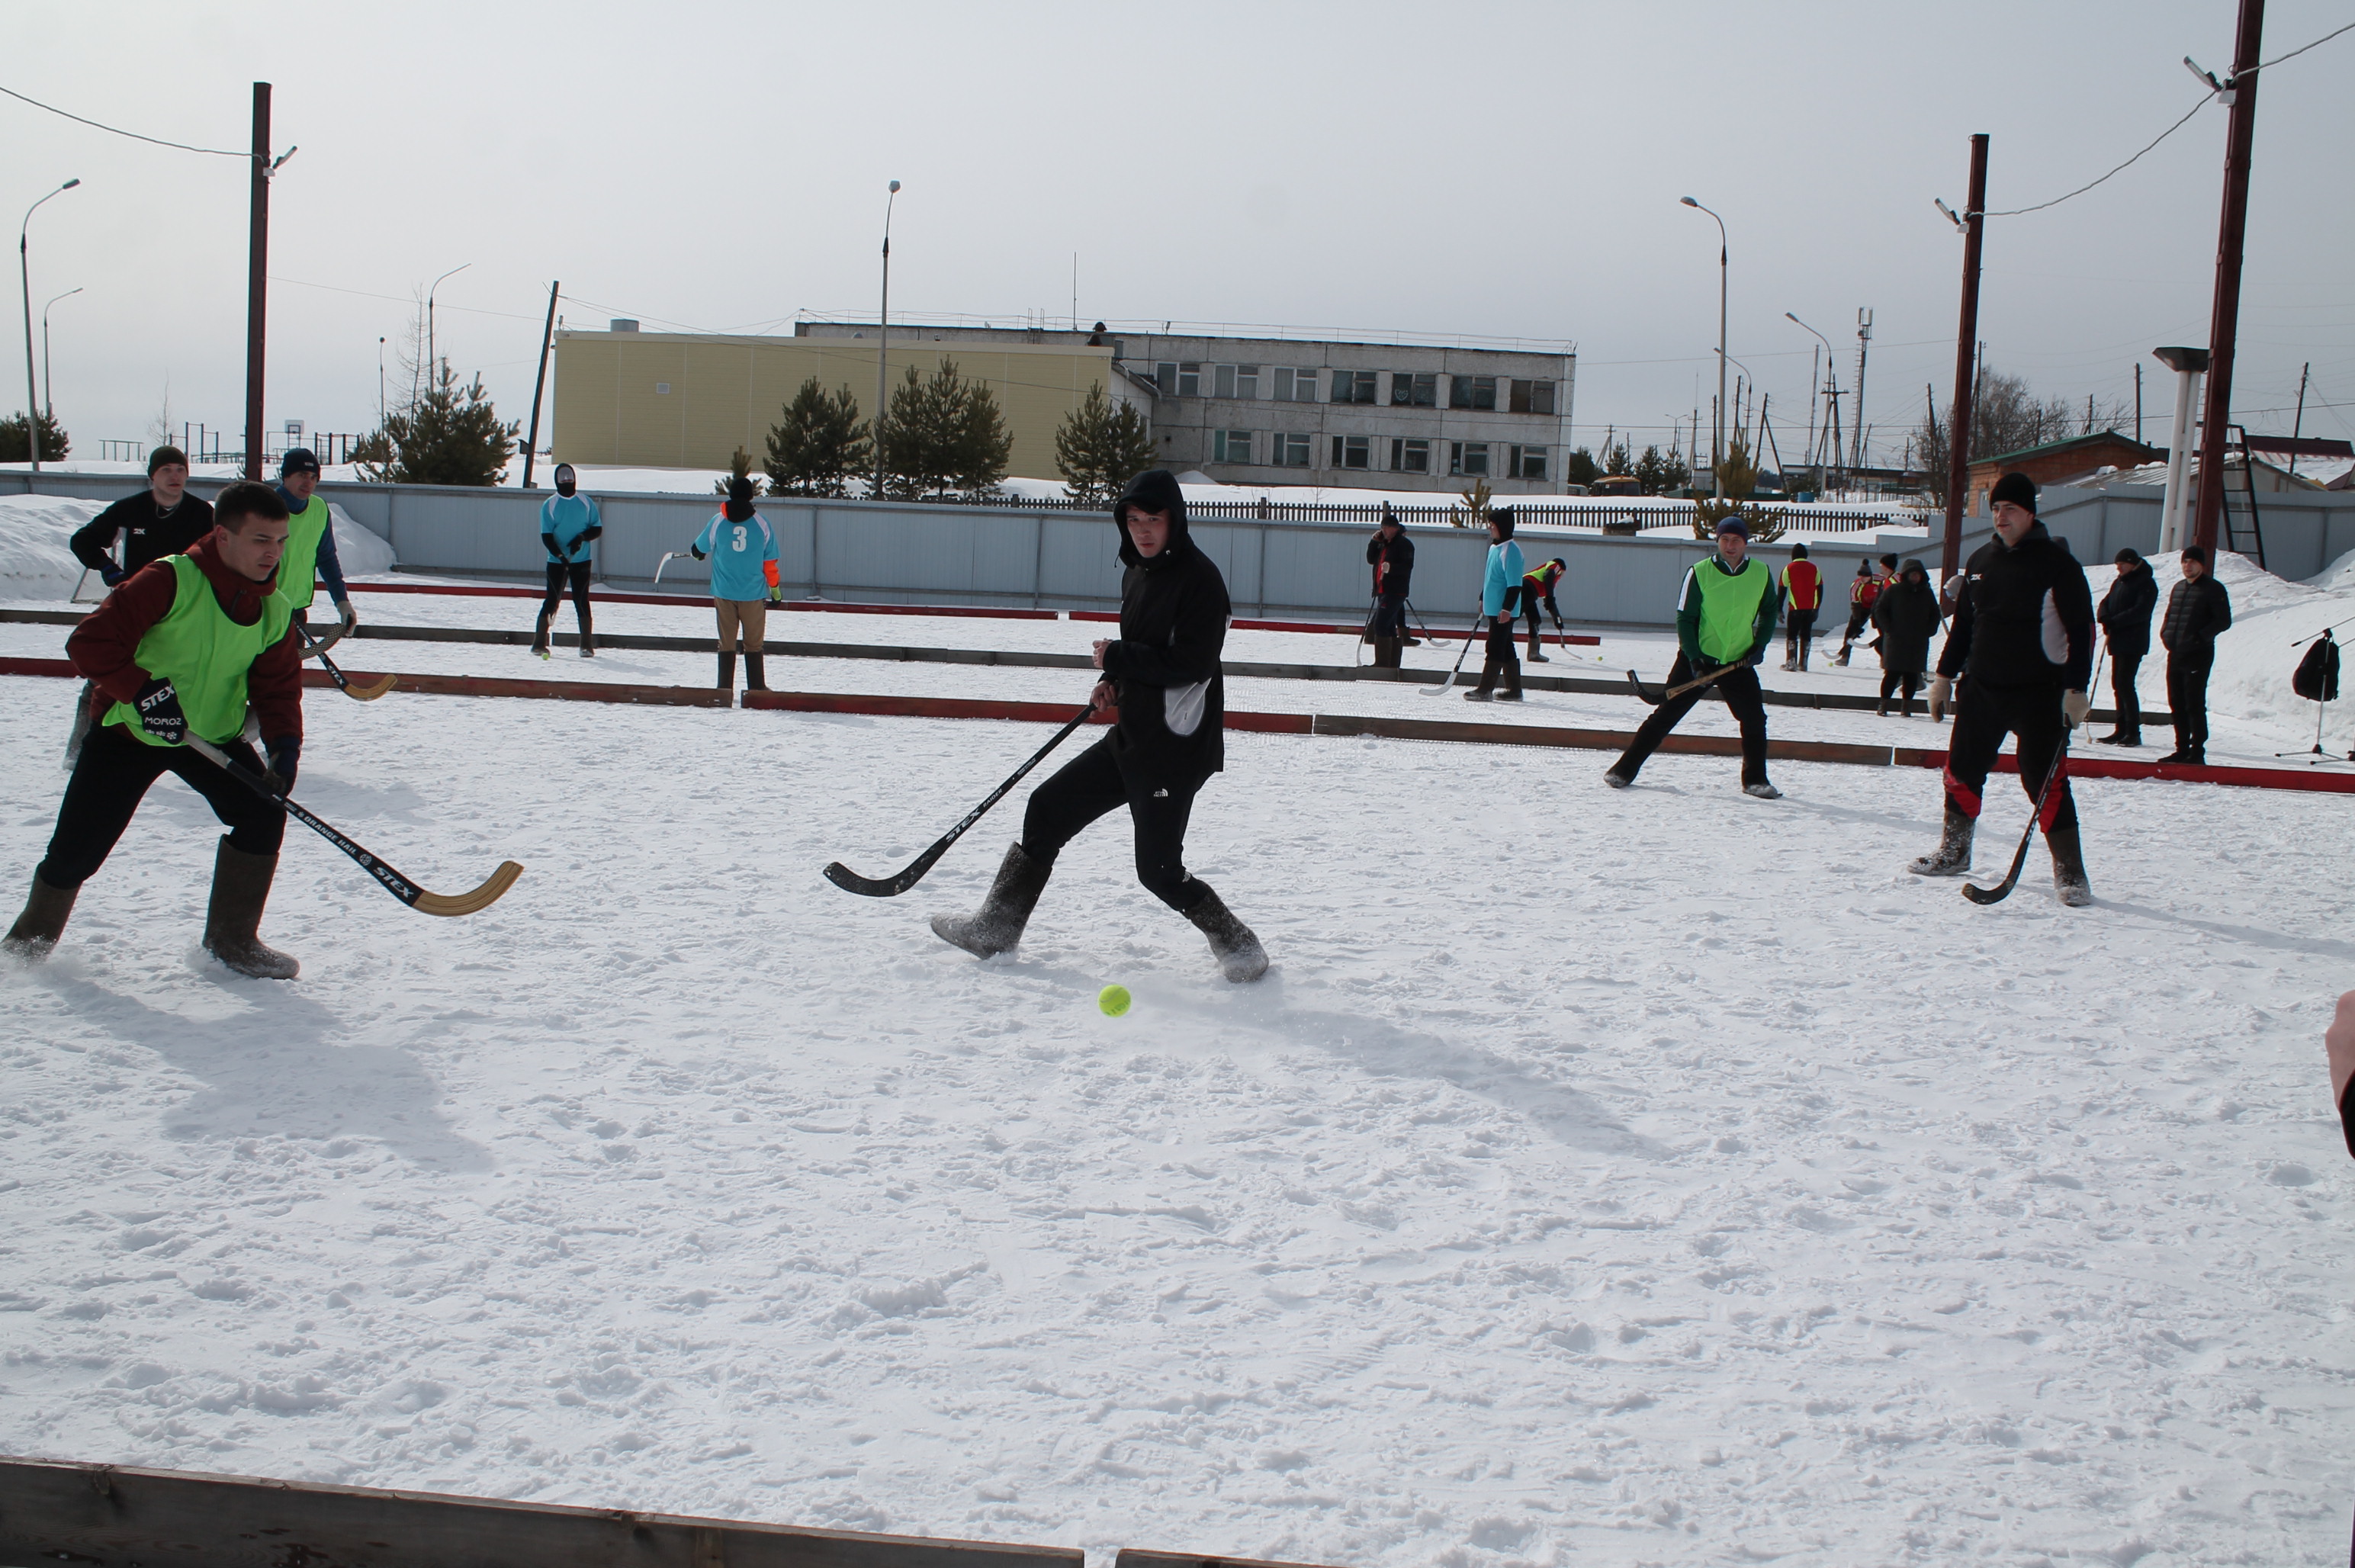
(2025, 617)
(1165, 666)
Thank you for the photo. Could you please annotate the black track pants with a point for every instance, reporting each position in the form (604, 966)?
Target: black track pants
(1089, 786)
(1984, 714)
(1798, 631)
(558, 573)
(1738, 686)
(1390, 615)
(2187, 694)
(112, 777)
(2124, 667)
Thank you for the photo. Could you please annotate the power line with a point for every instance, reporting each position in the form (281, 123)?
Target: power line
(2082, 189)
(2293, 54)
(116, 130)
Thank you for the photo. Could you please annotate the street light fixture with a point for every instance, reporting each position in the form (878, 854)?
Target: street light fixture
(431, 361)
(1717, 436)
(882, 341)
(25, 273)
(48, 410)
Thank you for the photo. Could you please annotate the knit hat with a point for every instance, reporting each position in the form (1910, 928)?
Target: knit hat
(2016, 488)
(298, 460)
(1502, 517)
(1733, 523)
(163, 455)
(1798, 552)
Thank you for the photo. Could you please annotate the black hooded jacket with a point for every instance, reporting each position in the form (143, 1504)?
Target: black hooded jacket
(1906, 616)
(1165, 666)
(2025, 616)
(2126, 612)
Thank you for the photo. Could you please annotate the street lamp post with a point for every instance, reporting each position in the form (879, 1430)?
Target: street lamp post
(429, 360)
(49, 409)
(883, 341)
(1717, 431)
(25, 273)
(1812, 450)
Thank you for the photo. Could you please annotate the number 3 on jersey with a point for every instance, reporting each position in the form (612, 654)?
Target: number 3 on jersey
(739, 545)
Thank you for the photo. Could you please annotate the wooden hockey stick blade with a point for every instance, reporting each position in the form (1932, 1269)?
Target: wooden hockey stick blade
(361, 693)
(482, 898)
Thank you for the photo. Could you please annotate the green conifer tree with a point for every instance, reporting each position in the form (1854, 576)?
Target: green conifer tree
(1099, 449)
(451, 435)
(820, 444)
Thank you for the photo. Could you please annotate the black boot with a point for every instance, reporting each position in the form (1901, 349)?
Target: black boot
(2121, 736)
(539, 635)
(1537, 650)
(1240, 957)
(233, 923)
(2069, 868)
(44, 920)
(1486, 690)
(1511, 690)
(726, 681)
(996, 926)
(1953, 856)
(756, 675)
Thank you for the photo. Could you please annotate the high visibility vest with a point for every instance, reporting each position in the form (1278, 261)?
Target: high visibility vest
(298, 568)
(1729, 606)
(1804, 582)
(205, 656)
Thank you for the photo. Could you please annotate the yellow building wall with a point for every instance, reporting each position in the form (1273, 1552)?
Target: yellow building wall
(726, 392)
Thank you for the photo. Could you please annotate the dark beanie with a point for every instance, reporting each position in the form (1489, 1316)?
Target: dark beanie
(1798, 552)
(298, 460)
(2015, 487)
(1503, 517)
(739, 499)
(163, 454)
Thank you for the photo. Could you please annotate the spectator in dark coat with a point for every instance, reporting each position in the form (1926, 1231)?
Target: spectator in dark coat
(2125, 616)
(1392, 555)
(1906, 616)
(2197, 611)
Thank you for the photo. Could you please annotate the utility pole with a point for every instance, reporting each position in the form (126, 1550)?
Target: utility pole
(2297, 426)
(257, 270)
(1863, 342)
(1959, 455)
(2241, 129)
(546, 336)
(2139, 401)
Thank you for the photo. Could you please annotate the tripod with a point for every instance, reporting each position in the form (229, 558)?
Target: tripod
(2318, 678)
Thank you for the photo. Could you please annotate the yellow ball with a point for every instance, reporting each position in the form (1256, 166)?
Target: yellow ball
(1114, 1000)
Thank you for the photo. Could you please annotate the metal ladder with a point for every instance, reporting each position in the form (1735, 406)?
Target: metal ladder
(2233, 532)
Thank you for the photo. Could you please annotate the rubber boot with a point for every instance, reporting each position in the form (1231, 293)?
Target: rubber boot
(1511, 691)
(756, 673)
(1486, 690)
(1537, 649)
(1840, 659)
(1386, 653)
(996, 926)
(539, 635)
(44, 920)
(1953, 856)
(2069, 880)
(1804, 648)
(233, 922)
(726, 681)
(1240, 957)
(588, 640)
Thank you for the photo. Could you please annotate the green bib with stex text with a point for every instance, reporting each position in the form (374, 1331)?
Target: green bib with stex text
(298, 568)
(1729, 606)
(205, 656)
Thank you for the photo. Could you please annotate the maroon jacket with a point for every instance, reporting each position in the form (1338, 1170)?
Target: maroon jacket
(103, 646)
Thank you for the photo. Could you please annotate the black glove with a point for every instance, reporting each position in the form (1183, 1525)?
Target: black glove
(695, 552)
(1704, 664)
(554, 548)
(286, 755)
(158, 707)
(111, 575)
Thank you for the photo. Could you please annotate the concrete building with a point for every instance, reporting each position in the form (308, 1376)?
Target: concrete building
(659, 399)
(1280, 411)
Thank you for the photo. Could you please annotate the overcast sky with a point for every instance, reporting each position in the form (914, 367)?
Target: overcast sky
(1502, 170)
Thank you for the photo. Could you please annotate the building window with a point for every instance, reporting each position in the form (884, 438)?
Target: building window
(1230, 446)
(1352, 452)
(1354, 386)
(1468, 457)
(1472, 392)
(1235, 381)
(1409, 456)
(1189, 380)
(1165, 379)
(1294, 386)
(1287, 450)
(1529, 463)
(1532, 398)
(662, 388)
(1419, 392)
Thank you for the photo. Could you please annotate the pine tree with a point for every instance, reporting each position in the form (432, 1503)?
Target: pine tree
(1618, 461)
(16, 446)
(740, 466)
(1099, 449)
(820, 444)
(1741, 476)
(1652, 471)
(1581, 467)
(451, 435)
(943, 435)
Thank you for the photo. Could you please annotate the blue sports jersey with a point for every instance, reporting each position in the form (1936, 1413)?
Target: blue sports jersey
(565, 518)
(743, 556)
(1506, 571)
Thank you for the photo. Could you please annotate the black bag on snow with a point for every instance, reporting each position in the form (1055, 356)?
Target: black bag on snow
(2316, 679)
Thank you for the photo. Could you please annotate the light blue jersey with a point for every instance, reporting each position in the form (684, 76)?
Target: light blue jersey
(565, 518)
(1505, 571)
(743, 556)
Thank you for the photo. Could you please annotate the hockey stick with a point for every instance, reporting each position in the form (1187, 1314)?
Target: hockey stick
(1471, 638)
(2002, 890)
(1718, 674)
(399, 885)
(318, 650)
(850, 882)
(668, 556)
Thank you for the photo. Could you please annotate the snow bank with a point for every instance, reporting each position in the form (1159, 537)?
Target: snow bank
(37, 564)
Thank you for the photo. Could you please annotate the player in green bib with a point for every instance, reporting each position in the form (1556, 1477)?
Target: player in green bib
(310, 542)
(185, 644)
(1725, 621)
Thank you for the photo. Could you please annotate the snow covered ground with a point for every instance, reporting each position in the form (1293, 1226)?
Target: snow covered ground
(1648, 1177)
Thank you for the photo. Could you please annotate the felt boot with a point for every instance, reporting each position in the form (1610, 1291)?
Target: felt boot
(1240, 957)
(233, 922)
(2069, 881)
(1953, 856)
(996, 926)
(37, 929)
